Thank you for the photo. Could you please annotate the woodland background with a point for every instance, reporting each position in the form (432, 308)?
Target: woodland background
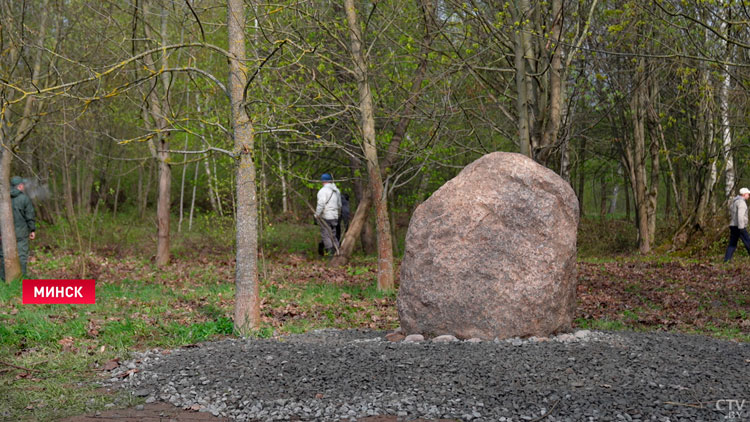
(166, 110)
(173, 150)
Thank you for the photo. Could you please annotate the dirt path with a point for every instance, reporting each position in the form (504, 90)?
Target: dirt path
(160, 412)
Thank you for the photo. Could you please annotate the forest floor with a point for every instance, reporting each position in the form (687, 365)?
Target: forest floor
(50, 355)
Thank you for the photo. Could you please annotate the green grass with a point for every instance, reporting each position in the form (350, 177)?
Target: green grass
(140, 306)
(65, 343)
(290, 238)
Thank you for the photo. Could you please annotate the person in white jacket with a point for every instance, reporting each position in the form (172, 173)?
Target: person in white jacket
(327, 213)
(738, 226)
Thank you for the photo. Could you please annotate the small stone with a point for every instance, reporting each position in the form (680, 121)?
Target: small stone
(414, 338)
(447, 338)
(581, 334)
(141, 393)
(139, 407)
(474, 340)
(565, 338)
(395, 336)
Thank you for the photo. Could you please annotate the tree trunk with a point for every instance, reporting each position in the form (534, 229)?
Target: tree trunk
(192, 201)
(613, 199)
(367, 125)
(211, 191)
(520, 12)
(603, 200)
(163, 205)
(216, 186)
(70, 210)
(366, 234)
(582, 176)
(247, 300)
(159, 110)
(182, 185)
(726, 133)
(355, 227)
(627, 199)
(707, 175)
(282, 176)
(87, 186)
(637, 157)
(653, 190)
(7, 230)
(212, 196)
(551, 119)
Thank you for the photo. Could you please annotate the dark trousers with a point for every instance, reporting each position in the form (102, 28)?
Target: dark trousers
(23, 256)
(328, 235)
(734, 235)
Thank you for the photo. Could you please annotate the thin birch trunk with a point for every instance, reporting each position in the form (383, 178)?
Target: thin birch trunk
(192, 201)
(184, 170)
(726, 133)
(284, 204)
(117, 190)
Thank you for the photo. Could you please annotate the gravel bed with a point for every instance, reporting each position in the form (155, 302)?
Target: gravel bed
(331, 375)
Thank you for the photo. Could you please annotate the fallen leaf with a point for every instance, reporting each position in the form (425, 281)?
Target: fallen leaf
(67, 344)
(127, 373)
(110, 365)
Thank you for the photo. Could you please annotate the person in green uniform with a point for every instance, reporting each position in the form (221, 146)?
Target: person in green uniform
(23, 221)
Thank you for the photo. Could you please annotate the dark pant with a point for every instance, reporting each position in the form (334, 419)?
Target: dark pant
(23, 256)
(734, 235)
(328, 235)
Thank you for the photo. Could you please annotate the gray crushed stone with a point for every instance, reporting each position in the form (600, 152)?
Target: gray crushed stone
(331, 375)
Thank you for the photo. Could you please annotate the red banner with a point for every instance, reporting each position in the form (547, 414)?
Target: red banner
(59, 291)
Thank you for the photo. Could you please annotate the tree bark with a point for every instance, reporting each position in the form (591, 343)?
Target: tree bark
(636, 156)
(552, 119)
(520, 12)
(7, 230)
(582, 177)
(355, 227)
(9, 140)
(361, 192)
(159, 110)
(726, 133)
(246, 298)
(192, 201)
(367, 125)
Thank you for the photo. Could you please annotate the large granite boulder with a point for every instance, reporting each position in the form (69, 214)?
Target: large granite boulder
(492, 253)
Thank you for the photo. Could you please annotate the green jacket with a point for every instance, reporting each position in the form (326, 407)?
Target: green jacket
(23, 214)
